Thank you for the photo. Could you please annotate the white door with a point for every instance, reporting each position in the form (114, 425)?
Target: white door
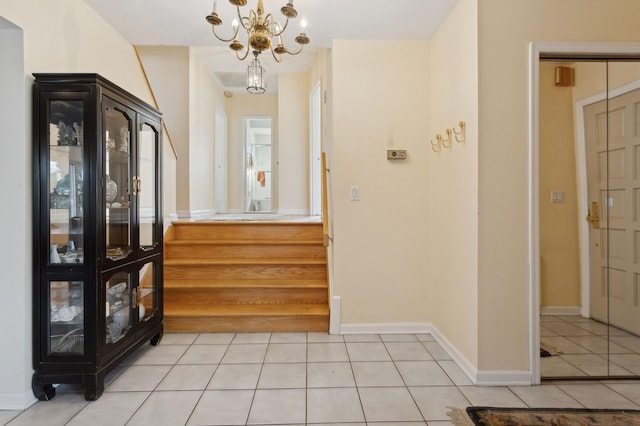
(316, 162)
(221, 162)
(613, 175)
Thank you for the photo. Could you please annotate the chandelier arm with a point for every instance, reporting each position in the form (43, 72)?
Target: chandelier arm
(213, 28)
(282, 28)
(246, 53)
(247, 22)
(277, 58)
(288, 52)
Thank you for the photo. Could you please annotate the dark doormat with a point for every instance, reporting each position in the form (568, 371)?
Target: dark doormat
(544, 353)
(495, 416)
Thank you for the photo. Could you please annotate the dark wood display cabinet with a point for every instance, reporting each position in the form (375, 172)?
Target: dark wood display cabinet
(97, 230)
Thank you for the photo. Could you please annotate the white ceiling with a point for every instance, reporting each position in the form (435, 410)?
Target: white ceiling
(182, 23)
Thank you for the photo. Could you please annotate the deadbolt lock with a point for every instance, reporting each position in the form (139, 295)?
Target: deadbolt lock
(593, 215)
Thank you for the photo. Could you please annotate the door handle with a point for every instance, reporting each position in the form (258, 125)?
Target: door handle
(593, 215)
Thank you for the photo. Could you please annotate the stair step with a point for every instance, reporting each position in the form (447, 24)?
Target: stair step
(266, 284)
(248, 231)
(187, 249)
(276, 261)
(244, 318)
(254, 310)
(196, 297)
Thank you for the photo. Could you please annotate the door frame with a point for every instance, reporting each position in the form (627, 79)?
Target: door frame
(583, 197)
(568, 50)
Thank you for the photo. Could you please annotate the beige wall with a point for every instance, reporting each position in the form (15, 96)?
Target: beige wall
(559, 247)
(292, 145)
(380, 101)
(452, 179)
(505, 31)
(240, 106)
(168, 71)
(188, 97)
(61, 36)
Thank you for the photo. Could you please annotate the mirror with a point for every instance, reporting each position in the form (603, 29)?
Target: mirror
(257, 165)
(589, 218)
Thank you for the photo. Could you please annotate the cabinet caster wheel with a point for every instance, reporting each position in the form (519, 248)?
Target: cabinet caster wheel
(156, 339)
(44, 392)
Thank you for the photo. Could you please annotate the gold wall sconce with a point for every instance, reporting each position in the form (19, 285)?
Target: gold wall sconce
(459, 134)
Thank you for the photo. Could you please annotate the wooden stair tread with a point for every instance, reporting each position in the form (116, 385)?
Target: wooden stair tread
(249, 310)
(245, 242)
(244, 222)
(204, 262)
(283, 283)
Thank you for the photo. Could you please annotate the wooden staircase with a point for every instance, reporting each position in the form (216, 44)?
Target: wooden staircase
(245, 277)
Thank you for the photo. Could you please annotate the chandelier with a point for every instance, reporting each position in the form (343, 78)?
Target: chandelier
(262, 31)
(255, 76)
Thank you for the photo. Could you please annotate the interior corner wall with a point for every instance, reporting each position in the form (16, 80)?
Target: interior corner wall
(205, 97)
(168, 70)
(559, 247)
(240, 106)
(293, 151)
(62, 36)
(15, 225)
(453, 202)
(505, 30)
(380, 92)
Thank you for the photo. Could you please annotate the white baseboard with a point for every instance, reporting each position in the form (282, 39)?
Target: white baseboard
(503, 378)
(16, 400)
(467, 367)
(478, 377)
(334, 315)
(386, 328)
(293, 212)
(192, 214)
(560, 310)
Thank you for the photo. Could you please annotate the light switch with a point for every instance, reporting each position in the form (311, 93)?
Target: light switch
(355, 193)
(557, 196)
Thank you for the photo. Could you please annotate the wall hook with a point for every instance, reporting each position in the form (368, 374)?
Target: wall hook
(446, 142)
(460, 135)
(436, 146)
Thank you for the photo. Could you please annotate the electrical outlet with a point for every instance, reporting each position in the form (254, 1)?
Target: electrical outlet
(396, 154)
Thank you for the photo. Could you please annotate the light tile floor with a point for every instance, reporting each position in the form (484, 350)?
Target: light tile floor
(587, 348)
(297, 379)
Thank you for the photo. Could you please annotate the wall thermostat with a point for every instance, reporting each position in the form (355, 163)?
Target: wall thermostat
(396, 154)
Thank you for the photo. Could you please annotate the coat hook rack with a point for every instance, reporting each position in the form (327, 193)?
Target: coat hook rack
(460, 135)
(441, 141)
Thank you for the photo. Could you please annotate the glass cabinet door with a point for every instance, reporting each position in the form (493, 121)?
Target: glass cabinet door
(146, 186)
(118, 306)
(66, 317)
(117, 180)
(147, 292)
(66, 211)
